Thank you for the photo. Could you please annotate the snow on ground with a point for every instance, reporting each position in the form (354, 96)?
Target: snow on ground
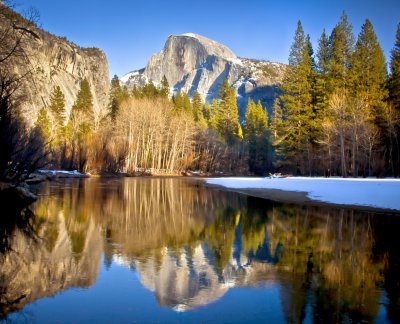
(62, 173)
(379, 193)
(55, 172)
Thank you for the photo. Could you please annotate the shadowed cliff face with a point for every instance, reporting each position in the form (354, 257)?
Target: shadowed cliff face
(50, 61)
(195, 63)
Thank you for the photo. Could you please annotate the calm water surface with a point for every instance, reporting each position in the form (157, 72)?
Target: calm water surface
(172, 250)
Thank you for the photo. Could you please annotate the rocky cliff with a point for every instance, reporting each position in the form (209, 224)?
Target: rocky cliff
(194, 63)
(49, 61)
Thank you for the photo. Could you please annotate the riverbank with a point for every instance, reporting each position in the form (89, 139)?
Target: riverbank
(369, 193)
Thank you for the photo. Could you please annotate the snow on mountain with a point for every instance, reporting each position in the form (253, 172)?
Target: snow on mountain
(189, 35)
(127, 76)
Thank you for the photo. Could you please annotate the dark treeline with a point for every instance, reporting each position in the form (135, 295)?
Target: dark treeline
(338, 114)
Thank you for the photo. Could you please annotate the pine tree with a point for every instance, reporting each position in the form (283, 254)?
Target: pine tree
(257, 137)
(323, 53)
(228, 118)
(367, 93)
(393, 131)
(249, 119)
(207, 112)
(197, 106)
(312, 75)
(394, 82)
(321, 78)
(297, 101)
(223, 91)
(136, 92)
(118, 94)
(82, 110)
(214, 114)
(57, 106)
(277, 122)
(277, 132)
(341, 48)
(150, 90)
(186, 104)
(164, 87)
(181, 101)
(84, 99)
(43, 124)
(368, 70)
(114, 92)
(256, 120)
(177, 99)
(311, 53)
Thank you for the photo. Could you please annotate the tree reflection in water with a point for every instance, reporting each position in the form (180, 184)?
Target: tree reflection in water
(191, 244)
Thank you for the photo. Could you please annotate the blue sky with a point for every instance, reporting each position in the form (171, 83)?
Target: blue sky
(131, 31)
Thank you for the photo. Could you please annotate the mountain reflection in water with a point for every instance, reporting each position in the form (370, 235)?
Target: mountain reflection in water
(190, 244)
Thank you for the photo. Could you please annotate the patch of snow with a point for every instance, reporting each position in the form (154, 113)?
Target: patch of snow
(190, 35)
(55, 172)
(378, 193)
(127, 76)
(235, 60)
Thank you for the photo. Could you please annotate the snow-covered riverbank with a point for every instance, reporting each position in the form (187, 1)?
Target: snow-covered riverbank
(378, 193)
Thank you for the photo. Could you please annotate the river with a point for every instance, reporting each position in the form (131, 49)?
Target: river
(175, 250)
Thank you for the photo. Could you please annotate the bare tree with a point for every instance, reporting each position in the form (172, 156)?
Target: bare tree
(339, 114)
(152, 136)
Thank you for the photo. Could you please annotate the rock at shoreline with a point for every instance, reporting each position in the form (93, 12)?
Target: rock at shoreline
(12, 196)
(43, 175)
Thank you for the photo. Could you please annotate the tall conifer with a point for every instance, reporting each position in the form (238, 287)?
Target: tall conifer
(297, 101)
(118, 94)
(394, 84)
(368, 69)
(197, 107)
(57, 106)
(341, 48)
(321, 79)
(82, 110)
(43, 124)
(228, 119)
(257, 137)
(164, 87)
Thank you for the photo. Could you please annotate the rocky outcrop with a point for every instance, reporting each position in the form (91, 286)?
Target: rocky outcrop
(194, 63)
(15, 196)
(50, 61)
